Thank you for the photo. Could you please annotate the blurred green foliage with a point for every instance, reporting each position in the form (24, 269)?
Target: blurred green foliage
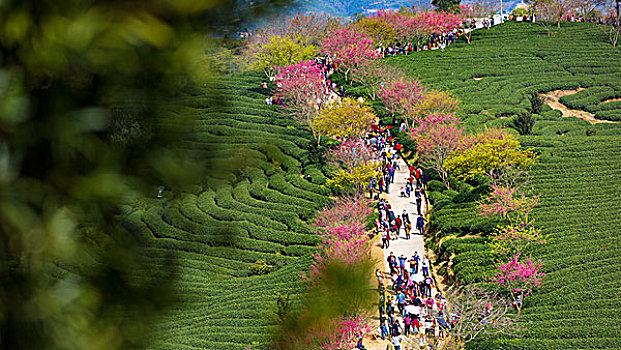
(83, 87)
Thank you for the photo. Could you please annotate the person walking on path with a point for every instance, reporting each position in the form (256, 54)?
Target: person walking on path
(425, 266)
(384, 328)
(416, 260)
(420, 224)
(402, 260)
(392, 261)
(407, 321)
(400, 301)
(391, 215)
(408, 228)
(385, 239)
(428, 284)
(396, 341)
(419, 203)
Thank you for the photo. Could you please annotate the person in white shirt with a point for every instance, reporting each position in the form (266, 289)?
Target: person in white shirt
(396, 341)
(425, 265)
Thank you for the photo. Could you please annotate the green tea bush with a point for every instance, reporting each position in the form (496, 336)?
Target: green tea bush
(435, 186)
(613, 115)
(515, 59)
(450, 194)
(240, 236)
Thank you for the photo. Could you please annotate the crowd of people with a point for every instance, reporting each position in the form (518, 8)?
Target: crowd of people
(527, 17)
(414, 313)
(435, 41)
(390, 224)
(409, 309)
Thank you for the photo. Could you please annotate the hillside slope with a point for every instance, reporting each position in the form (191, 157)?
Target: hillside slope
(579, 301)
(493, 75)
(577, 177)
(253, 205)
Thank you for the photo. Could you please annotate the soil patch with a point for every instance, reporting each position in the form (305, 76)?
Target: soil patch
(611, 100)
(552, 99)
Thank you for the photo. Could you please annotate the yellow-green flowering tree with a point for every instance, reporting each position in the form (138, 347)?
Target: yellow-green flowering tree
(511, 240)
(281, 52)
(347, 119)
(356, 179)
(494, 151)
(438, 102)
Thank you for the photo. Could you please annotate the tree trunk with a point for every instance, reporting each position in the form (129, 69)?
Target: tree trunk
(444, 176)
(317, 137)
(518, 306)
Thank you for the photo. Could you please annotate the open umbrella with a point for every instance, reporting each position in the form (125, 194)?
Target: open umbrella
(412, 309)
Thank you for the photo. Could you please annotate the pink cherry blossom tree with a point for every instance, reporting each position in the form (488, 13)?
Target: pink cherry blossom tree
(519, 278)
(345, 334)
(481, 313)
(470, 11)
(437, 137)
(509, 202)
(404, 98)
(335, 333)
(374, 74)
(346, 211)
(303, 86)
(344, 245)
(350, 49)
(418, 28)
(350, 154)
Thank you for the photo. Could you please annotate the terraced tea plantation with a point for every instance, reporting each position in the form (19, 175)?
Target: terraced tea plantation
(577, 176)
(252, 206)
(579, 302)
(493, 75)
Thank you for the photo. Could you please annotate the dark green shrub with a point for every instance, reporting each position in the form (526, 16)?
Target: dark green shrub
(523, 123)
(408, 144)
(453, 182)
(464, 197)
(451, 193)
(435, 185)
(437, 196)
(464, 187)
(441, 204)
(536, 102)
(613, 115)
(480, 190)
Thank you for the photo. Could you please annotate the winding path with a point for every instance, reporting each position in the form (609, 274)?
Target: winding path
(404, 246)
(552, 99)
(407, 247)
